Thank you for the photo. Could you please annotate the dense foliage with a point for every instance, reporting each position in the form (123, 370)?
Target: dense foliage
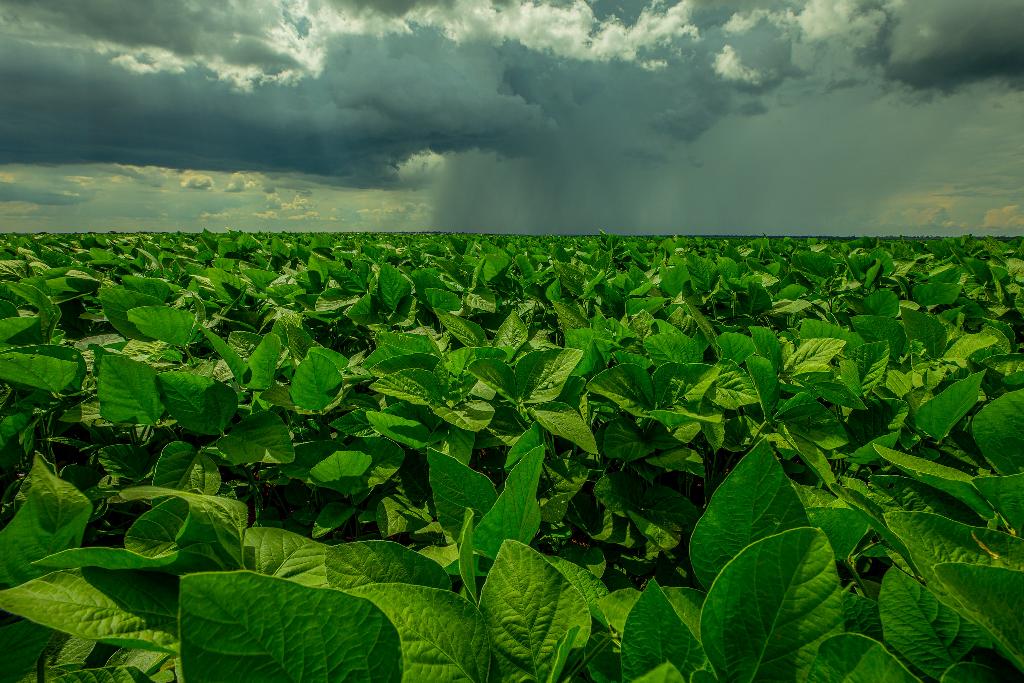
(231, 457)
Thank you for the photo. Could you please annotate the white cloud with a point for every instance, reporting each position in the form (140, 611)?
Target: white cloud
(1005, 217)
(190, 180)
(729, 66)
(567, 30)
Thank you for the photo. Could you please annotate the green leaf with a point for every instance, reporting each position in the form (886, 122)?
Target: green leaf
(766, 382)
(990, 597)
(937, 293)
(316, 382)
(951, 481)
(211, 532)
(350, 565)
(23, 644)
(181, 467)
(654, 634)
(123, 608)
(244, 626)
(756, 500)
(444, 637)
(170, 325)
(516, 513)
(529, 607)
(400, 429)
(199, 404)
(467, 556)
(48, 368)
(540, 375)
(564, 421)
(925, 328)
(938, 416)
(782, 594)
(455, 489)
(286, 555)
(628, 386)
(929, 635)
(127, 391)
(52, 517)
(466, 331)
(117, 301)
(261, 437)
(973, 672)
(1007, 496)
(854, 658)
(933, 539)
(392, 287)
(666, 673)
(998, 429)
(228, 354)
(110, 674)
(262, 364)
(814, 355)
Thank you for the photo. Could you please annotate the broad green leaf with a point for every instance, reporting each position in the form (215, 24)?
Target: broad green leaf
(782, 593)
(444, 637)
(111, 674)
(231, 358)
(117, 301)
(628, 386)
(171, 325)
(286, 555)
(925, 328)
(1007, 496)
(939, 415)
(261, 437)
(854, 658)
(529, 607)
(805, 417)
(23, 644)
(540, 375)
(973, 672)
(929, 635)
(990, 597)
(392, 287)
(666, 673)
(998, 429)
(211, 532)
(400, 429)
(512, 333)
(316, 382)
(244, 626)
(583, 580)
(127, 391)
(814, 355)
(199, 404)
(52, 517)
(455, 489)
(108, 558)
(350, 565)
(933, 539)
(654, 634)
(262, 364)
(48, 368)
(952, 481)
(181, 467)
(123, 608)
(516, 513)
(756, 500)
(466, 331)
(415, 385)
(766, 382)
(564, 421)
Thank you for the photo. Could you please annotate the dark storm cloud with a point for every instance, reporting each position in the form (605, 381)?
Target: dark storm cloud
(375, 105)
(187, 28)
(947, 43)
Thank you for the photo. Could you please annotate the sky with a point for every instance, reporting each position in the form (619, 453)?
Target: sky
(826, 117)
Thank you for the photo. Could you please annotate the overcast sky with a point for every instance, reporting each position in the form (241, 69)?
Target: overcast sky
(700, 116)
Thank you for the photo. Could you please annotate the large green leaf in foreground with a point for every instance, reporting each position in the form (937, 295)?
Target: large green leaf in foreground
(244, 626)
(782, 594)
